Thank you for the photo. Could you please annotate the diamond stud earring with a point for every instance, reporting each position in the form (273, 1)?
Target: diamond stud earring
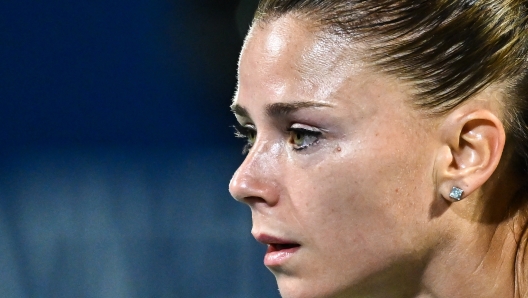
(456, 194)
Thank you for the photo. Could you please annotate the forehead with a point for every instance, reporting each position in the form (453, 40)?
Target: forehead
(293, 49)
(290, 60)
(290, 37)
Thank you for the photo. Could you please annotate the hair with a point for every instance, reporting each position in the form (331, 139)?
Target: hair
(448, 50)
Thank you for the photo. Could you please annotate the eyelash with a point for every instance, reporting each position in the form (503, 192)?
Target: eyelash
(244, 132)
(250, 135)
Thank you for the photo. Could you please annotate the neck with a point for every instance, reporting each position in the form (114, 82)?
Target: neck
(475, 265)
(521, 270)
(485, 248)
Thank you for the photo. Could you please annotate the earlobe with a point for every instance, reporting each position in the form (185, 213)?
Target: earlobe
(472, 145)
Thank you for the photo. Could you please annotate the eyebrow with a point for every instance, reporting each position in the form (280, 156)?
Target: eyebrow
(280, 108)
(239, 110)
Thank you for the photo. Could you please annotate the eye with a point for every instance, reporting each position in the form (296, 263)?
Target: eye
(302, 137)
(247, 132)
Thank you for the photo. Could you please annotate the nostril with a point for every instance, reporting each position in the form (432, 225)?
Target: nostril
(253, 201)
(243, 194)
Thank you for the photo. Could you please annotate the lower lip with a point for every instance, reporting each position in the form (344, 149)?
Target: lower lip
(274, 258)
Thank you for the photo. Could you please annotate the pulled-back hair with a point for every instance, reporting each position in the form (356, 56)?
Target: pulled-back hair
(448, 50)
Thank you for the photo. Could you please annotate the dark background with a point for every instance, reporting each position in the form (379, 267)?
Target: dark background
(116, 151)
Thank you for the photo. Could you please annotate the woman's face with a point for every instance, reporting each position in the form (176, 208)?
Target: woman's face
(339, 177)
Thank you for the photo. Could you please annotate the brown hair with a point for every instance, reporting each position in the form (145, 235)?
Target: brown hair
(449, 50)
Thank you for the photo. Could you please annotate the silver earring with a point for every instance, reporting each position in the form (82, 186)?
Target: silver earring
(456, 193)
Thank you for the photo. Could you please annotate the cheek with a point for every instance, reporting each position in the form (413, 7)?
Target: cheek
(366, 192)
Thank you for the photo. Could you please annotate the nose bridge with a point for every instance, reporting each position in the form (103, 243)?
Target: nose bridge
(256, 178)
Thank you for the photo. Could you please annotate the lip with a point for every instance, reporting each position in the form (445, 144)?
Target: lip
(279, 250)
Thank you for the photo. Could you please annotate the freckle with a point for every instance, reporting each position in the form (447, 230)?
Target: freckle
(397, 190)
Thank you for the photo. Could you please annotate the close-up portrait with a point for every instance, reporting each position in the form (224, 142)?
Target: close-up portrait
(264, 149)
(386, 146)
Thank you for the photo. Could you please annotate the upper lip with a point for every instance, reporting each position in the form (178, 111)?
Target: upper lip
(270, 240)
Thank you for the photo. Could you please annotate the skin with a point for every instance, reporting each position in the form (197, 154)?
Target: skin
(366, 198)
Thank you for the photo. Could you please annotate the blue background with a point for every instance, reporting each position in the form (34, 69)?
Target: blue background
(116, 151)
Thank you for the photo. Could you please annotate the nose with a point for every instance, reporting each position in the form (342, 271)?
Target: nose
(255, 181)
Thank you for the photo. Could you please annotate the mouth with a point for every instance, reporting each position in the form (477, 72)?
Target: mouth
(279, 250)
(276, 247)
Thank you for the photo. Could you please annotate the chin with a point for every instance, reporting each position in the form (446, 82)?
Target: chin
(290, 287)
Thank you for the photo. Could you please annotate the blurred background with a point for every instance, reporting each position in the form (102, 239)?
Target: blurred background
(116, 151)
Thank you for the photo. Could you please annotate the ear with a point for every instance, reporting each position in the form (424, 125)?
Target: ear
(472, 143)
